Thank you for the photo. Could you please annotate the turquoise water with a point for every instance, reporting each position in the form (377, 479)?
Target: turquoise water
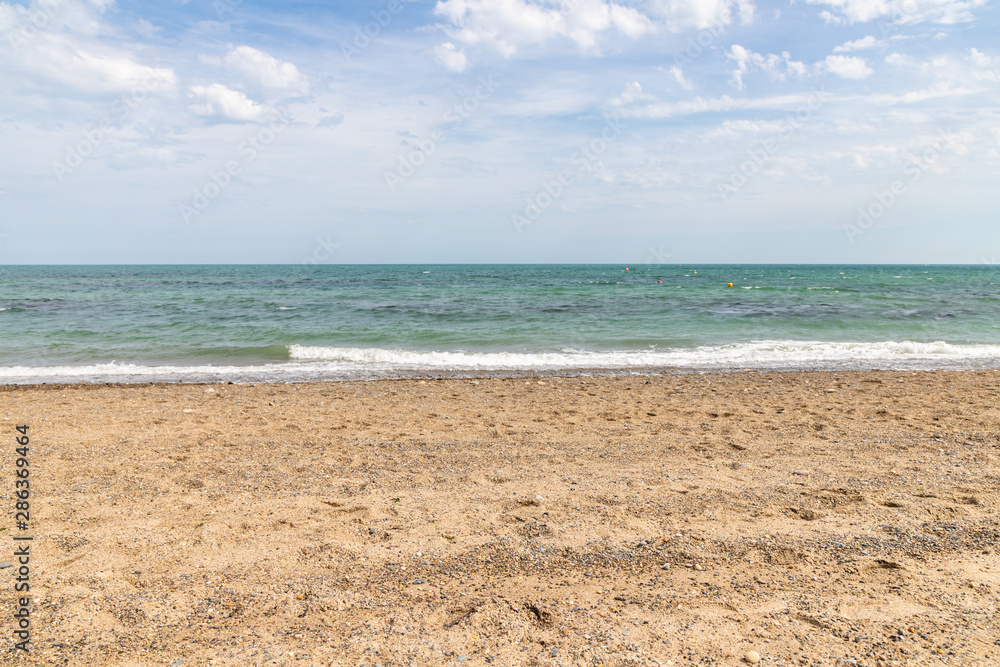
(277, 323)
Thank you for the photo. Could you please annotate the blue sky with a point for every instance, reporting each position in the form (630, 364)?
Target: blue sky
(500, 131)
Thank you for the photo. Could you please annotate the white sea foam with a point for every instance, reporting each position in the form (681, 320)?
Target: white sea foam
(342, 363)
(768, 354)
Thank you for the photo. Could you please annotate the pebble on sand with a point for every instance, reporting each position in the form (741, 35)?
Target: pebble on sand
(752, 657)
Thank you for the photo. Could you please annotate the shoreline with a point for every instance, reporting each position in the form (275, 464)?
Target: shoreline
(405, 375)
(813, 516)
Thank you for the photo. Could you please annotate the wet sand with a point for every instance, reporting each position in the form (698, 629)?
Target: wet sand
(814, 518)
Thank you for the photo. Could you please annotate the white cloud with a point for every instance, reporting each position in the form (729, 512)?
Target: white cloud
(724, 103)
(678, 74)
(731, 129)
(777, 67)
(452, 57)
(976, 66)
(899, 11)
(747, 9)
(847, 67)
(862, 44)
(830, 18)
(507, 25)
(685, 14)
(264, 72)
(899, 59)
(62, 60)
(632, 93)
(941, 90)
(56, 46)
(146, 29)
(980, 59)
(217, 101)
(80, 17)
(987, 68)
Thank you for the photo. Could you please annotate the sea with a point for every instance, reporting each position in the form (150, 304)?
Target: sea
(295, 323)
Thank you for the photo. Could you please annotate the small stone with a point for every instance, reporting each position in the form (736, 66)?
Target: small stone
(417, 582)
(801, 473)
(699, 568)
(4, 565)
(752, 657)
(666, 566)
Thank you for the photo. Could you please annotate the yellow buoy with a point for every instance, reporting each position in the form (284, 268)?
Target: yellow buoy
(729, 285)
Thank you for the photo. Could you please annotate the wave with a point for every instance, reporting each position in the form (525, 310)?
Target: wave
(754, 354)
(345, 363)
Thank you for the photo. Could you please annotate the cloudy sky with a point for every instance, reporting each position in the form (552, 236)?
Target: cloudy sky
(499, 131)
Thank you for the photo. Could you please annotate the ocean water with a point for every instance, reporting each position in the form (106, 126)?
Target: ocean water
(292, 323)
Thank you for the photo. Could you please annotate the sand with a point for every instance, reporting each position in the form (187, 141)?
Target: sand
(814, 518)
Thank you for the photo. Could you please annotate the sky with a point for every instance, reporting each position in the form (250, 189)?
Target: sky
(453, 131)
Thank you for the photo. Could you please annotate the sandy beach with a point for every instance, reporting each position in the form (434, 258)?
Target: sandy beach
(825, 518)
